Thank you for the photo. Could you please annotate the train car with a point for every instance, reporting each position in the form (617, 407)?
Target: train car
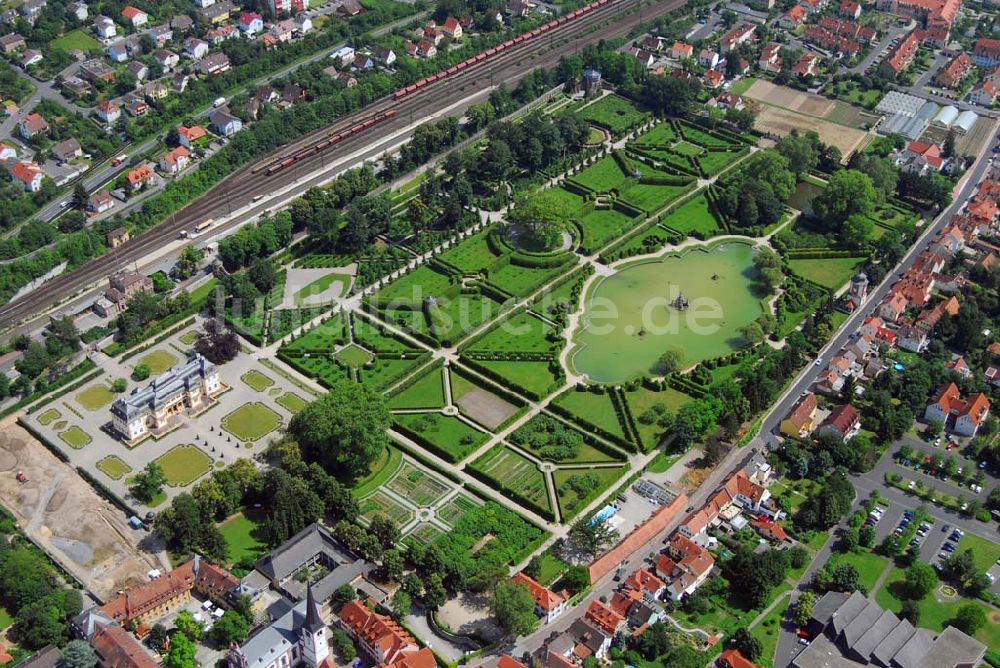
(390, 113)
(536, 32)
(432, 78)
(461, 66)
(451, 70)
(551, 24)
(356, 128)
(490, 51)
(367, 124)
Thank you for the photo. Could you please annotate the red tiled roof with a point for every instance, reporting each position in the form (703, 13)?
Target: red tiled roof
(544, 597)
(131, 12)
(639, 536)
(732, 658)
(116, 648)
(379, 631)
(604, 617)
(139, 174)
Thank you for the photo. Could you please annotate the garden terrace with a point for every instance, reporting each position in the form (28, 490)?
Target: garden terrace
(685, 148)
(351, 347)
(613, 113)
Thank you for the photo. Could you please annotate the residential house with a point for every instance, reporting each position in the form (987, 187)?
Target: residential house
(213, 63)
(139, 177)
(135, 16)
(218, 12)
(681, 51)
(912, 338)
(349, 8)
(188, 137)
(645, 58)
(303, 24)
(799, 422)
(901, 56)
(11, 43)
(108, 111)
(384, 56)
(282, 31)
(117, 236)
(28, 174)
(451, 28)
(984, 93)
(732, 658)
(726, 100)
(844, 421)
(105, 27)
(806, 65)
(251, 23)
(138, 70)
(78, 10)
(793, 18)
(959, 366)
(182, 23)
(645, 582)
(425, 49)
(362, 62)
(31, 57)
(118, 53)
(195, 48)
(986, 52)
(224, 123)
(135, 105)
(956, 69)
(292, 94)
(217, 36)
(67, 150)
(652, 43)
(160, 34)
(167, 60)
(604, 618)
(101, 202)
(772, 531)
(964, 417)
(76, 87)
(584, 639)
(180, 82)
(7, 152)
(713, 79)
(770, 60)
(548, 604)
(893, 308)
(683, 566)
(33, 125)
(175, 160)
(737, 36)
(708, 58)
(94, 69)
(850, 9)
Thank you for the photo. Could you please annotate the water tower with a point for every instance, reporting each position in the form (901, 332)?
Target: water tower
(591, 81)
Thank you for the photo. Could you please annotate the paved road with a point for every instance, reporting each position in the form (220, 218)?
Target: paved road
(876, 51)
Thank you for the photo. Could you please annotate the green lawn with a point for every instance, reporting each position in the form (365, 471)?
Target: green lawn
(550, 567)
(426, 392)
(742, 86)
(830, 273)
(321, 285)
(75, 39)
(183, 464)
(5, 619)
(985, 552)
(113, 467)
(291, 402)
(354, 356)
(575, 488)
(188, 338)
(692, 216)
(251, 422)
(535, 377)
(767, 632)
(591, 408)
(75, 437)
(257, 380)
(602, 176)
(238, 532)
(614, 113)
(869, 565)
(379, 472)
(934, 614)
(523, 333)
(158, 361)
(448, 432)
(49, 416)
(95, 397)
(648, 405)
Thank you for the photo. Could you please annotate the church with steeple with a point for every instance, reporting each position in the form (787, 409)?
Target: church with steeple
(296, 639)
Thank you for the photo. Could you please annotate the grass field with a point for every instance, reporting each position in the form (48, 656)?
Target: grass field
(767, 632)
(647, 405)
(113, 467)
(183, 464)
(985, 553)
(602, 176)
(536, 377)
(291, 402)
(550, 567)
(447, 432)
(575, 488)
(188, 338)
(49, 416)
(530, 438)
(614, 113)
(75, 39)
(592, 408)
(652, 197)
(6, 619)
(75, 437)
(830, 273)
(383, 468)
(514, 472)
(935, 614)
(257, 380)
(354, 356)
(238, 532)
(523, 333)
(158, 361)
(693, 216)
(869, 565)
(251, 422)
(426, 392)
(95, 397)
(661, 135)
(602, 225)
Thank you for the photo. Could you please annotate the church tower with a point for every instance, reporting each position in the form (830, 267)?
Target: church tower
(315, 649)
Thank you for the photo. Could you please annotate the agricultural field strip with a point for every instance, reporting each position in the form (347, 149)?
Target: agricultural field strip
(533, 407)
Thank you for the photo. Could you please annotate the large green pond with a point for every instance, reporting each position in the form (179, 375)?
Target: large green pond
(631, 317)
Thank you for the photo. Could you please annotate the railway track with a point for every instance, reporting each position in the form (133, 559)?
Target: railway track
(614, 19)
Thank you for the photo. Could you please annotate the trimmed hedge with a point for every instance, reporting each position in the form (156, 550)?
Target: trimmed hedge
(68, 377)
